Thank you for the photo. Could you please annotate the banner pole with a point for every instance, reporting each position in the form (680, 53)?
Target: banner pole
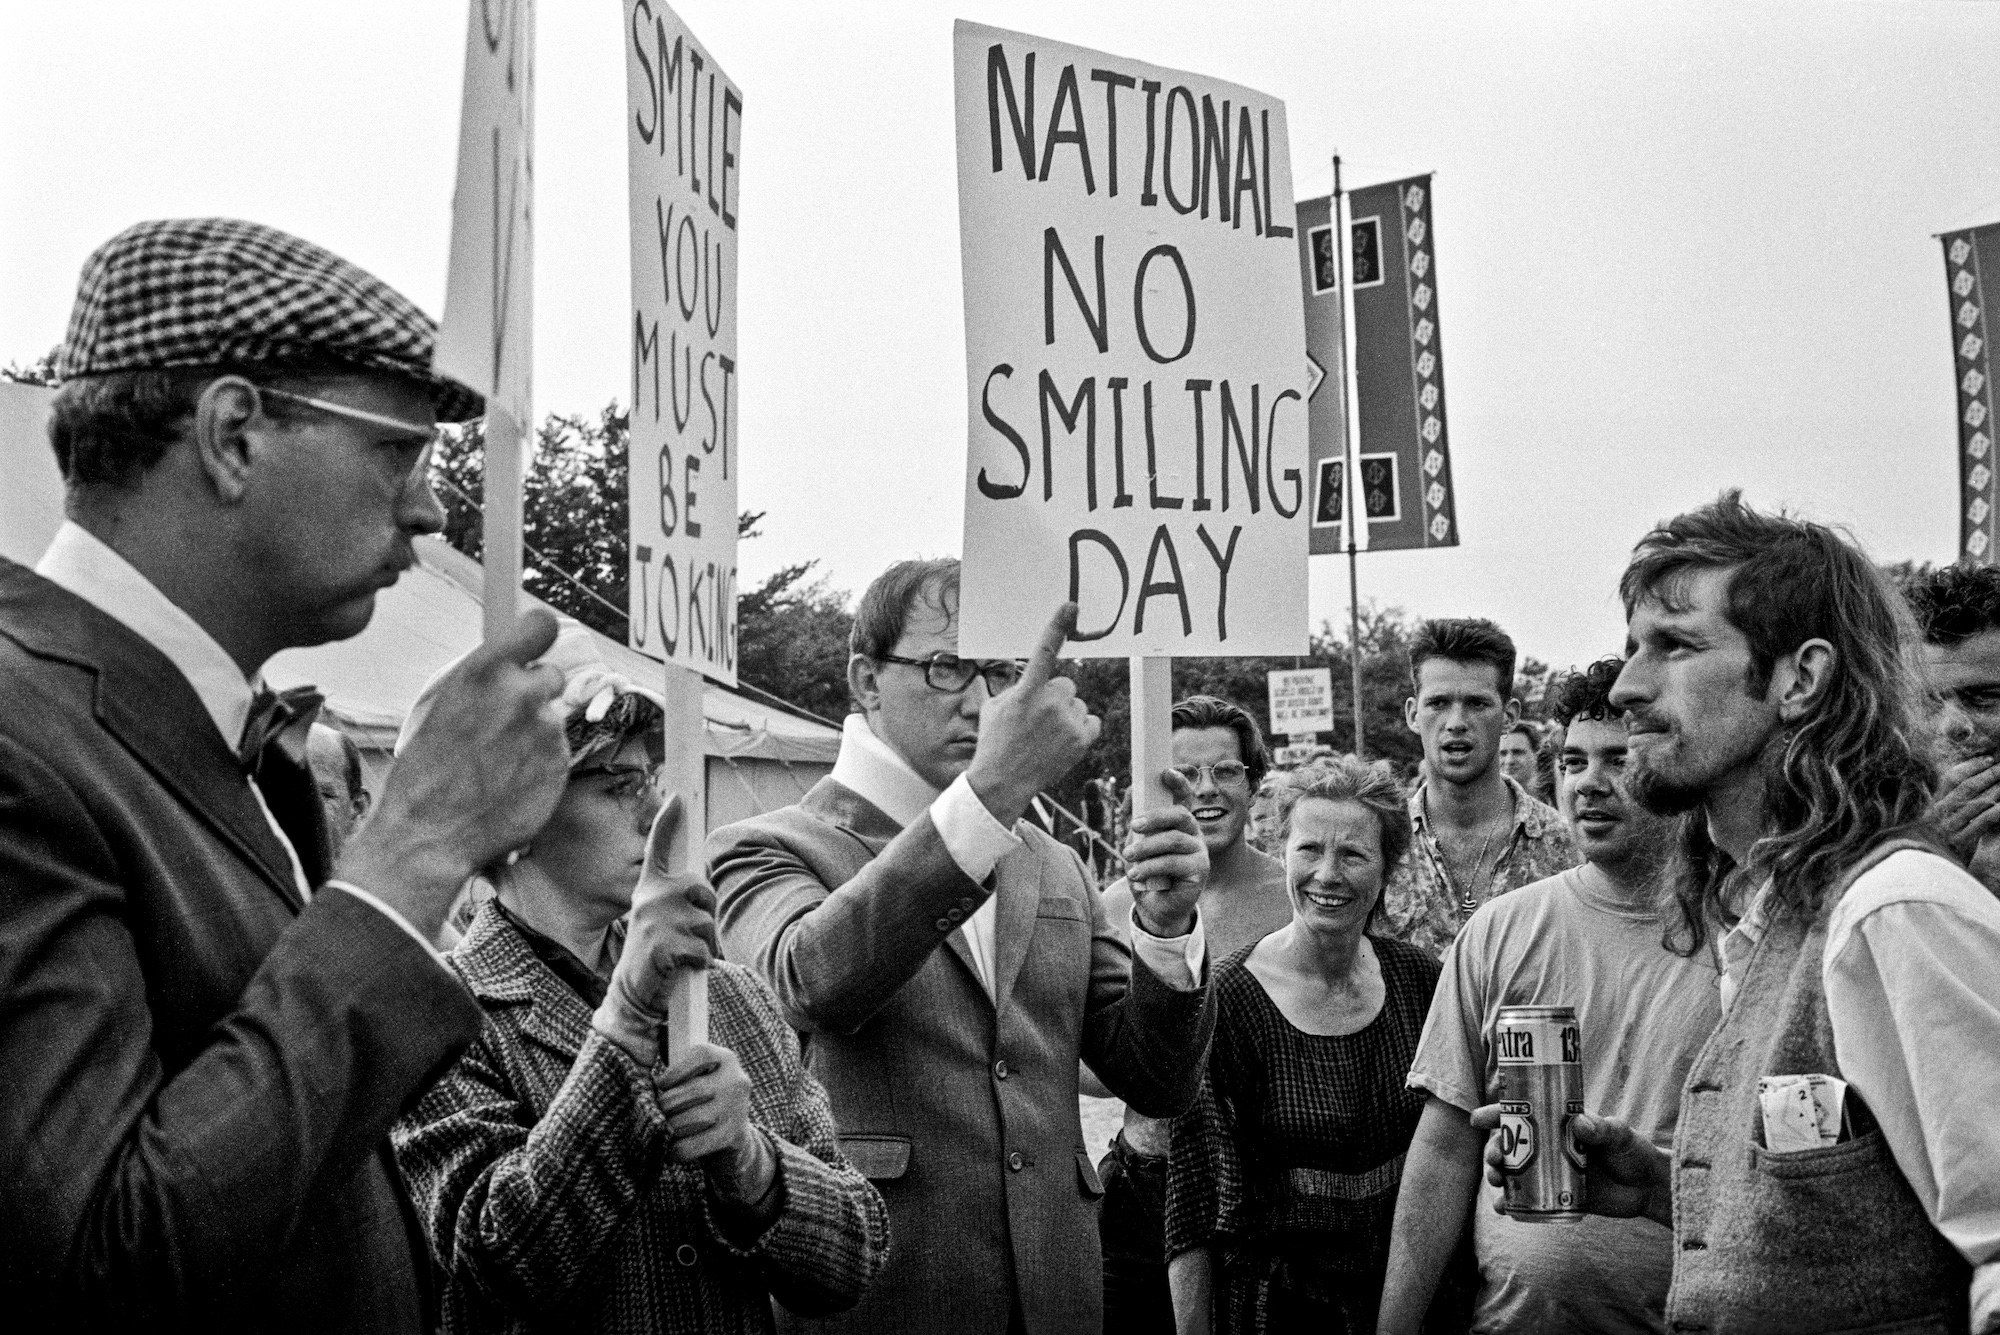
(685, 773)
(1354, 513)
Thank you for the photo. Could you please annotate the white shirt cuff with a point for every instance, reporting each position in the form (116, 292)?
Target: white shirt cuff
(383, 908)
(1986, 1298)
(974, 839)
(1177, 960)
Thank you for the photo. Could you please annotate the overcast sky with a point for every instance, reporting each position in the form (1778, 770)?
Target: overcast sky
(1679, 247)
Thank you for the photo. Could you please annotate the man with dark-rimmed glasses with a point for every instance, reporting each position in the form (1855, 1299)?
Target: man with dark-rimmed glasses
(950, 963)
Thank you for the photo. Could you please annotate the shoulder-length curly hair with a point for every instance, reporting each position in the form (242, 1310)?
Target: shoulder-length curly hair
(1345, 778)
(1856, 769)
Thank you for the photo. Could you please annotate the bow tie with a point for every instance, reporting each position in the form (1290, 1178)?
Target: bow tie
(283, 717)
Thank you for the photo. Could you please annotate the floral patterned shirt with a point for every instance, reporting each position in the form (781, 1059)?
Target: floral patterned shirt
(1422, 905)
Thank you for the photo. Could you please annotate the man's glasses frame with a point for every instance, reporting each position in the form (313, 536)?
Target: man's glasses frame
(951, 674)
(427, 434)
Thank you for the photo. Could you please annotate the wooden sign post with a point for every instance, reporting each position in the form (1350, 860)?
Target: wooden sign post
(487, 337)
(683, 134)
(1135, 340)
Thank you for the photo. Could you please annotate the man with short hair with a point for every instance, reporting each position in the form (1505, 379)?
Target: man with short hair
(949, 965)
(1958, 611)
(1517, 752)
(1591, 937)
(1834, 1164)
(336, 769)
(1220, 751)
(207, 1025)
(1478, 833)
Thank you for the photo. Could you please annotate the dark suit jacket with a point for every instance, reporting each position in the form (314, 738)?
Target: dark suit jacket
(963, 1112)
(197, 1074)
(539, 1167)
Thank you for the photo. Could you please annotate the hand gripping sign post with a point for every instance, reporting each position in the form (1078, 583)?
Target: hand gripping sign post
(1136, 346)
(683, 135)
(486, 339)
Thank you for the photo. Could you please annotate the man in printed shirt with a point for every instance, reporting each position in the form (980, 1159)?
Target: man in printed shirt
(1765, 688)
(1477, 832)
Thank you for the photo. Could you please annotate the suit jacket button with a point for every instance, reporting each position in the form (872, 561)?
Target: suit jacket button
(943, 924)
(686, 1254)
(1015, 1161)
(1000, 1072)
(967, 904)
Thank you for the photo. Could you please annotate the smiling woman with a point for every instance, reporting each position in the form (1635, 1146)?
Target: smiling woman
(1284, 1176)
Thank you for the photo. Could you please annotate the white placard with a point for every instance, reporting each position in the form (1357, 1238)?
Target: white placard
(1301, 701)
(1136, 356)
(485, 340)
(683, 133)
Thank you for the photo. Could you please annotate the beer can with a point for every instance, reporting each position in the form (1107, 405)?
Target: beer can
(1540, 1051)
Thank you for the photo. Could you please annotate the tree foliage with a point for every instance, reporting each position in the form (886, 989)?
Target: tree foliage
(791, 631)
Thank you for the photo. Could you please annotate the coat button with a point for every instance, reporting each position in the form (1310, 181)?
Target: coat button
(1015, 1161)
(686, 1254)
(943, 924)
(967, 904)
(1000, 1069)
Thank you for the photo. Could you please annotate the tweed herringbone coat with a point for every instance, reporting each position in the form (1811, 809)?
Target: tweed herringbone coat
(539, 1169)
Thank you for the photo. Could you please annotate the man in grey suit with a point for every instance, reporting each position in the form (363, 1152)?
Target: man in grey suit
(207, 1023)
(949, 964)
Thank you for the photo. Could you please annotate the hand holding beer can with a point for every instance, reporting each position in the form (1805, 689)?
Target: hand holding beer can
(1540, 1055)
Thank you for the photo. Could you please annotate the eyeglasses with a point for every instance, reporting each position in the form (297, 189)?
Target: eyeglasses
(428, 434)
(1227, 773)
(952, 674)
(627, 781)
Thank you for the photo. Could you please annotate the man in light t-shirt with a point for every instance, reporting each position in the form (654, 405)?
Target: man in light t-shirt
(1591, 937)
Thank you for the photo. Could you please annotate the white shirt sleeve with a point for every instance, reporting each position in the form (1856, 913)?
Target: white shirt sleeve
(1913, 992)
(975, 840)
(1177, 959)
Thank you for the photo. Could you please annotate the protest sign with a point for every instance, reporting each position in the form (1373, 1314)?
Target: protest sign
(683, 133)
(683, 128)
(1135, 343)
(485, 340)
(1301, 701)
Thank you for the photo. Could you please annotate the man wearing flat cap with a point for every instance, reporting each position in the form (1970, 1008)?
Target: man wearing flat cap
(206, 1029)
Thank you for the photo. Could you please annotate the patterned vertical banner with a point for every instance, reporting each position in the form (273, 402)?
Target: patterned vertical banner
(1966, 255)
(1405, 455)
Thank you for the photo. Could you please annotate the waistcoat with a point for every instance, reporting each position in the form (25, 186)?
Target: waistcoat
(1806, 1241)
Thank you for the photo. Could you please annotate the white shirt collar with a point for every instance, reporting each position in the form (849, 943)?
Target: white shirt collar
(871, 768)
(78, 561)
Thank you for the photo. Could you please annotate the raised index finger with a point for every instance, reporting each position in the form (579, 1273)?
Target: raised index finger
(1042, 665)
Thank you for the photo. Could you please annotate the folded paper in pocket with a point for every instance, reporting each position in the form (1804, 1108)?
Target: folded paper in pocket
(1801, 1112)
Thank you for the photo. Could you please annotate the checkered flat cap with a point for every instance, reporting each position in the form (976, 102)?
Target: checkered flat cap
(223, 292)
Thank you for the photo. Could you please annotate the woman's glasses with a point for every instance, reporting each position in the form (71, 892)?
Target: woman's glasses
(627, 781)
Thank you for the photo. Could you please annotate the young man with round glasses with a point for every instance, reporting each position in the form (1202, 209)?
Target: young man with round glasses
(950, 963)
(1220, 752)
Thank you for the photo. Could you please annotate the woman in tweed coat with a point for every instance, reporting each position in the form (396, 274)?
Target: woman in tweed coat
(565, 1178)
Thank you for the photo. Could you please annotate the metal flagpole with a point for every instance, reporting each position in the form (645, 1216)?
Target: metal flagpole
(1354, 513)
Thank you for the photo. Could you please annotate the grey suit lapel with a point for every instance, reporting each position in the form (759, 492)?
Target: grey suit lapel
(1020, 890)
(872, 828)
